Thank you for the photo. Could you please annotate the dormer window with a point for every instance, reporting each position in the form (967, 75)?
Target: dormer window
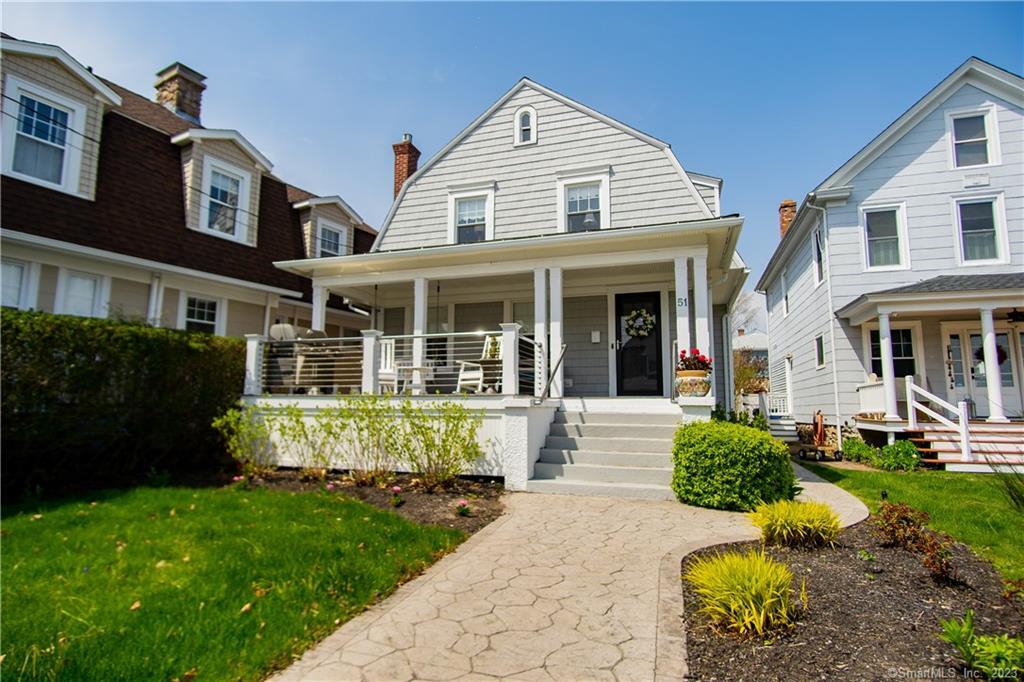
(331, 239)
(525, 122)
(224, 196)
(40, 146)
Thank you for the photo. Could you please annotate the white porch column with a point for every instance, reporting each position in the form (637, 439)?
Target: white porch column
(253, 364)
(155, 308)
(419, 327)
(555, 333)
(701, 310)
(993, 378)
(320, 295)
(682, 272)
(540, 327)
(510, 358)
(371, 361)
(888, 371)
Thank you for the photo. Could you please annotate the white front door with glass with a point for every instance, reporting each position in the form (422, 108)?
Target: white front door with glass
(967, 376)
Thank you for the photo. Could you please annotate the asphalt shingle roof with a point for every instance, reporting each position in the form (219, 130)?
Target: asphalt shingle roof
(948, 283)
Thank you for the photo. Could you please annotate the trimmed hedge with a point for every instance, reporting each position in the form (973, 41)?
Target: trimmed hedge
(728, 466)
(89, 402)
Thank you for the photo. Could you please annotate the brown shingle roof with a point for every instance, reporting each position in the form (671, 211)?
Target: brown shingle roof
(135, 106)
(296, 194)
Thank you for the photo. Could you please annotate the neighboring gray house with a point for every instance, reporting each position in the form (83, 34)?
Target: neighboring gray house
(908, 261)
(549, 214)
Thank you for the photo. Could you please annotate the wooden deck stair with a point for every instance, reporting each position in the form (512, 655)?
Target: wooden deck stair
(991, 444)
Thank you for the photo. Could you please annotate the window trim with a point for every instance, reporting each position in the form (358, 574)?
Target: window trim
(28, 294)
(533, 126)
(472, 191)
(344, 239)
(210, 164)
(784, 292)
(220, 323)
(998, 215)
(101, 303)
(901, 233)
(818, 257)
(991, 135)
(819, 351)
(78, 111)
(584, 176)
(916, 339)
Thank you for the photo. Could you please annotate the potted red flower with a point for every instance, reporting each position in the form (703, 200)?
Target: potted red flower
(692, 370)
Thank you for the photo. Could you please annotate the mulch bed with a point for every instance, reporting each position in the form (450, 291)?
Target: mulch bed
(433, 508)
(866, 620)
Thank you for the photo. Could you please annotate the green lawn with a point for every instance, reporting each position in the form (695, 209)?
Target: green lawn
(970, 507)
(229, 583)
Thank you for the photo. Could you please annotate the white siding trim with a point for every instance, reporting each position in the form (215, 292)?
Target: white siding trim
(998, 214)
(526, 109)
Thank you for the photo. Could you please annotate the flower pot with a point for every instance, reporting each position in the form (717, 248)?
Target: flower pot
(692, 383)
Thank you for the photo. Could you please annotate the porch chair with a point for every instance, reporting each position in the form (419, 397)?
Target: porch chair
(281, 358)
(387, 375)
(473, 374)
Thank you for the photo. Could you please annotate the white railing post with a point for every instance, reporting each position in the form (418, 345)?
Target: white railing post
(965, 431)
(911, 411)
(510, 358)
(371, 361)
(253, 364)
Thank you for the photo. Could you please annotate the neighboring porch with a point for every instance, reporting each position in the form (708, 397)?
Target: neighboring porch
(944, 363)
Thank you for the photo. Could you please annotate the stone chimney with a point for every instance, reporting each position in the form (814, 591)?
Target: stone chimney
(180, 89)
(407, 159)
(787, 211)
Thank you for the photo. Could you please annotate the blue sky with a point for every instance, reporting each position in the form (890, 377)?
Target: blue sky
(772, 97)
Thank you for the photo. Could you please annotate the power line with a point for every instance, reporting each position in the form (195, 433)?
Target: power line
(48, 119)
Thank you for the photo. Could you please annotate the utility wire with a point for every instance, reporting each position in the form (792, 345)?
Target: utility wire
(50, 120)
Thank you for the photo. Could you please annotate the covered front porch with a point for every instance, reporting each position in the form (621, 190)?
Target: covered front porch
(541, 317)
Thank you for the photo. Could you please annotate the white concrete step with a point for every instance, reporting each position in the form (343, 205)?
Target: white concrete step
(630, 418)
(614, 459)
(653, 445)
(603, 474)
(631, 490)
(612, 430)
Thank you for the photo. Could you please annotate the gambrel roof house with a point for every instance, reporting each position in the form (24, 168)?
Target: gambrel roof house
(568, 248)
(118, 206)
(894, 293)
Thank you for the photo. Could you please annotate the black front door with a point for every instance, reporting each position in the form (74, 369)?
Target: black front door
(638, 356)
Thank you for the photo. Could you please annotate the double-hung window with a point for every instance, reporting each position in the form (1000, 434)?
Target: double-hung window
(470, 220)
(979, 237)
(902, 352)
(970, 141)
(524, 126)
(819, 351)
(882, 237)
(784, 293)
(330, 239)
(201, 314)
(819, 258)
(583, 207)
(14, 283)
(223, 207)
(81, 293)
(224, 203)
(41, 140)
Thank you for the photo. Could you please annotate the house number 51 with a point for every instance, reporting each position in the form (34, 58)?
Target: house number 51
(681, 302)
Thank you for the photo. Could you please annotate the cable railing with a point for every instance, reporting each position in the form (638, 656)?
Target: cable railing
(455, 362)
(314, 366)
(531, 365)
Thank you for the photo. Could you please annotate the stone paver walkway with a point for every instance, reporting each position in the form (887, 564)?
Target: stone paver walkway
(559, 588)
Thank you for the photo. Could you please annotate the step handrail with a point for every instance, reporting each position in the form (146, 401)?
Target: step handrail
(962, 425)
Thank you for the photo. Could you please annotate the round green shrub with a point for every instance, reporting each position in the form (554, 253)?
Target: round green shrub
(856, 450)
(900, 456)
(729, 466)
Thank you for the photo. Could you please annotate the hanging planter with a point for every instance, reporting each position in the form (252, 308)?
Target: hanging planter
(639, 323)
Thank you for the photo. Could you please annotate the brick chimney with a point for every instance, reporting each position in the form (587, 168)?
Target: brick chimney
(741, 331)
(180, 89)
(407, 158)
(787, 211)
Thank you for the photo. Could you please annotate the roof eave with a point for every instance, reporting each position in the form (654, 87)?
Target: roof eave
(16, 46)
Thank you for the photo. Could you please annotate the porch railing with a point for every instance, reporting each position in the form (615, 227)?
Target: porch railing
(778, 405)
(959, 423)
(502, 361)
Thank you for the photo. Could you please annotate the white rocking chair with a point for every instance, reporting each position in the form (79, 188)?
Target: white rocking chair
(387, 375)
(473, 374)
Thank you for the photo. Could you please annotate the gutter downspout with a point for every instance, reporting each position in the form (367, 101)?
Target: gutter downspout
(831, 316)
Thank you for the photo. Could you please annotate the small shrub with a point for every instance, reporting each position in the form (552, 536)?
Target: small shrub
(856, 450)
(744, 593)
(993, 655)
(757, 421)
(313, 441)
(728, 466)
(793, 523)
(900, 456)
(366, 446)
(937, 555)
(438, 441)
(246, 438)
(900, 525)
